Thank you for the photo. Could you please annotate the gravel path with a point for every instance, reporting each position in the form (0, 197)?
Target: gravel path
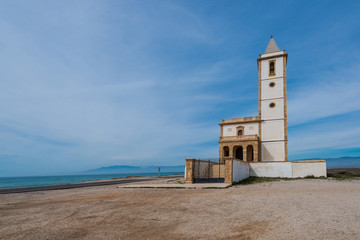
(299, 209)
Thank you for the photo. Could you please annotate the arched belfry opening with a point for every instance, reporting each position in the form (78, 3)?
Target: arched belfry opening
(272, 68)
(250, 153)
(239, 153)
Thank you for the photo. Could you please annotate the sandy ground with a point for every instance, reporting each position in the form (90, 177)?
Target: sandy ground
(299, 209)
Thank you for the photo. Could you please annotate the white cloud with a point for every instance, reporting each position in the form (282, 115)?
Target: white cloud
(325, 134)
(329, 94)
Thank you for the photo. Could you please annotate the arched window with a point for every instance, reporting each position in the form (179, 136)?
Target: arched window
(272, 68)
(240, 130)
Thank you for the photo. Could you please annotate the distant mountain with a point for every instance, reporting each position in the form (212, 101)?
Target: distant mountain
(341, 162)
(137, 169)
(118, 167)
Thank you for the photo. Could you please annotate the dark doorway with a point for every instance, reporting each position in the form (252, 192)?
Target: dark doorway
(226, 151)
(250, 153)
(239, 153)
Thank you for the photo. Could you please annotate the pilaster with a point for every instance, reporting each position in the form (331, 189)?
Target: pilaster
(190, 164)
(229, 170)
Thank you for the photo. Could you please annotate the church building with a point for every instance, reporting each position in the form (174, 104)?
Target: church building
(261, 138)
(257, 145)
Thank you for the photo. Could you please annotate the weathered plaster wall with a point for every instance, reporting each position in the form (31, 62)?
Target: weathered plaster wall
(273, 130)
(275, 169)
(273, 151)
(303, 169)
(240, 170)
(293, 169)
(268, 113)
(272, 92)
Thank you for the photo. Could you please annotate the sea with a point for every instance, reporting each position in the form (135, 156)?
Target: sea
(23, 182)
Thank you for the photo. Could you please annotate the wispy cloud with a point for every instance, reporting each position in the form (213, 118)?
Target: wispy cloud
(328, 94)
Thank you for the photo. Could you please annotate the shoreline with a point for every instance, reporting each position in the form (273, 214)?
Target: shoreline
(133, 177)
(102, 182)
(39, 181)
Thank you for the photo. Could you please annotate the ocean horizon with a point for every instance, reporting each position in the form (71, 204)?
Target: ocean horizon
(38, 181)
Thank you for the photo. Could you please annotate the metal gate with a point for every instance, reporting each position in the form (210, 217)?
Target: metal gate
(209, 171)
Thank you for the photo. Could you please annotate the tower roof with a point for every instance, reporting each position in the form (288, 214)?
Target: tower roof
(272, 47)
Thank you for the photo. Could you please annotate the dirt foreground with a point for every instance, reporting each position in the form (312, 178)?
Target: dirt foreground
(299, 209)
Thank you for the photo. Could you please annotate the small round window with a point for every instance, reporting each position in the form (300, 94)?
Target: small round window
(272, 84)
(272, 105)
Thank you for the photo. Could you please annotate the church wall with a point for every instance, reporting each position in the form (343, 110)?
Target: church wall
(304, 169)
(272, 107)
(273, 151)
(278, 169)
(272, 130)
(276, 112)
(272, 92)
(249, 129)
(240, 170)
(278, 68)
(294, 169)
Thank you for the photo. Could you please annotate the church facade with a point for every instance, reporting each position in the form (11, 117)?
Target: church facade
(261, 138)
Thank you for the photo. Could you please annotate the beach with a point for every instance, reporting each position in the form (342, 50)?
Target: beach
(296, 209)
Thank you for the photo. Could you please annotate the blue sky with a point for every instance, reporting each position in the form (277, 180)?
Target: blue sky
(88, 83)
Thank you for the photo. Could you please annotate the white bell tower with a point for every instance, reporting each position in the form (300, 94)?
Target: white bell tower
(272, 104)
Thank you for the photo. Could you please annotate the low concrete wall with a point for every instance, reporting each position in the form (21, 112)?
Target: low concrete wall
(240, 170)
(316, 168)
(271, 169)
(294, 169)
